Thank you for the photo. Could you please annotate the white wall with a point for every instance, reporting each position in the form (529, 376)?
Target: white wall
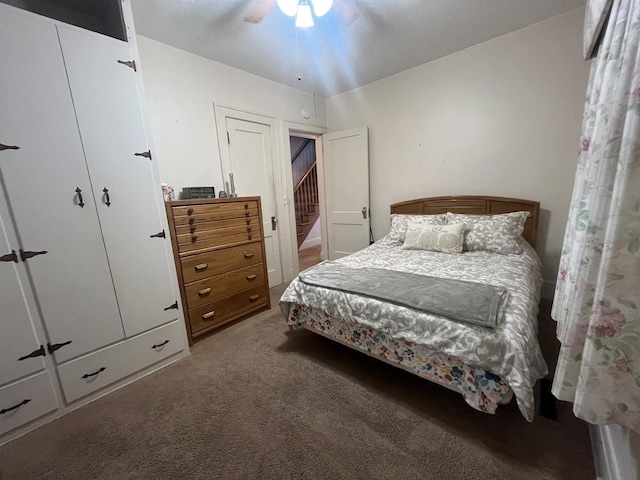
(181, 89)
(499, 118)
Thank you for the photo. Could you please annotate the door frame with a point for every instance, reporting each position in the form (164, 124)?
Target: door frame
(291, 269)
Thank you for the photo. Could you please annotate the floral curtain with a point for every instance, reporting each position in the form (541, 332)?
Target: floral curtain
(597, 300)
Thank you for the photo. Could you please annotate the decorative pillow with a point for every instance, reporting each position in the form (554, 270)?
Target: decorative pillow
(492, 233)
(399, 223)
(435, 238)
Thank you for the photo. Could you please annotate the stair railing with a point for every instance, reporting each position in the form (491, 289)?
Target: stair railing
(305, 194)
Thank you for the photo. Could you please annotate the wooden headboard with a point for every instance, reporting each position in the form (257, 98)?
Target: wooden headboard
(474, 204)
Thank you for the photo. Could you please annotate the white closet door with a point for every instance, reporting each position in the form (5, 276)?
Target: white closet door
(72, 281)
(17, 335)
(111, 125)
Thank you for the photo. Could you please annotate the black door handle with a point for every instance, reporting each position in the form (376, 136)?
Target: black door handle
(80, 201)
(105, 190)
(56, 346)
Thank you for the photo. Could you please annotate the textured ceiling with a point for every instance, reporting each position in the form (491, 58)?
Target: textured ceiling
(386, 36)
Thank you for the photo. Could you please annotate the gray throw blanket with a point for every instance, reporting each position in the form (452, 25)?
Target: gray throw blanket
(459, 300)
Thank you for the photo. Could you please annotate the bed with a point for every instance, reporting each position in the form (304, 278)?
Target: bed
(487, 360)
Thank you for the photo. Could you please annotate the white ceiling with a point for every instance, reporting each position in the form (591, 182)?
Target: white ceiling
(387, 37)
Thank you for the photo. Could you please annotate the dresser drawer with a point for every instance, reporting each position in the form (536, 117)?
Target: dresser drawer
(196, 228)
(219, 242)
(92, 372)
(215, 313)
(194, 214)
(206, 235)
(223, 285)
(198, 267)
(26, 400)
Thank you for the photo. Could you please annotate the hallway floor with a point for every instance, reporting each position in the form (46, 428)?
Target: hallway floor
(308, 257)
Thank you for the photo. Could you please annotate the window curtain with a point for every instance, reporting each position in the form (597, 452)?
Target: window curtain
(597, 299)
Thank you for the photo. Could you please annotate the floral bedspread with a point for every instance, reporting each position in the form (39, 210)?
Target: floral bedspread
(481, 389)
(510, 350)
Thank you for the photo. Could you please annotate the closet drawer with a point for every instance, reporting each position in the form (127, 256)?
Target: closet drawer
(217, 242)
(223, 285)
(193, 214)
(215, 313)
(92, 372)
(196, 228)
(198, 267)
(32, 398)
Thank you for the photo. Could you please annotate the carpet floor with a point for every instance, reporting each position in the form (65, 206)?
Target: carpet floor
(257, 401)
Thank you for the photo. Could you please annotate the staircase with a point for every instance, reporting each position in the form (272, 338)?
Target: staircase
(305, 195)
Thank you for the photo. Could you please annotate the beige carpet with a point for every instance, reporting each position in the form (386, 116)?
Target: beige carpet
(256, 401)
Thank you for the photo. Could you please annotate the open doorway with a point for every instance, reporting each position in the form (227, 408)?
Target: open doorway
(306, 195)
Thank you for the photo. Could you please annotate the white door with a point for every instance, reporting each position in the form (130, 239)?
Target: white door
(111, 125)
(249, 155)
(346, 184)
(45, 179)
(17, 335)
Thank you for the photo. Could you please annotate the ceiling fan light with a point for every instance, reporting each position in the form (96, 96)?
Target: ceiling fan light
(288, 7)
(320, 7)
(304, 18)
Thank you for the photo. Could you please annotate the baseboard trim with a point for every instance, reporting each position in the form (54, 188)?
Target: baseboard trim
(310, 242)
(613, 452)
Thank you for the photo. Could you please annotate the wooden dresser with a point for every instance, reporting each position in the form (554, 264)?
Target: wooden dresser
(220, 260)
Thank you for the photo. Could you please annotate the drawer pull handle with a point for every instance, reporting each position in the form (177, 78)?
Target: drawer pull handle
(204, 291)
(254, 297)
(209, 315)
(87, 375)
(246, 205)
(246, 213)
(190, 211)
(248, 254)
(23, 402)
(248, 221)
(251, 277)
(250, 236)
(191, 220)
(249, 228)
(200, 267)
(158, 345)
(194, 238)
(193, 228)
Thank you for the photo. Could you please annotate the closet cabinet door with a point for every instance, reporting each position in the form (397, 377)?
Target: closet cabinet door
(17, 335)
(46, 179)
(111, 125)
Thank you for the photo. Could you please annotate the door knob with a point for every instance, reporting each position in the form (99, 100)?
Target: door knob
(273, 223)
(364, 212)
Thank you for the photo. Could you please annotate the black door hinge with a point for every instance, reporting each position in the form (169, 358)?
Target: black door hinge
(130, 64)
(10, 257)
(52, 347)
(36, 353)
(172, 306)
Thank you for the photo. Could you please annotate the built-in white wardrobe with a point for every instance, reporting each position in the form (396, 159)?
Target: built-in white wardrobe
(88, 297)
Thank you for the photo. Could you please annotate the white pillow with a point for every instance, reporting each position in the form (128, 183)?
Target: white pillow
(435, 238)
(499, 233)
(399, 224)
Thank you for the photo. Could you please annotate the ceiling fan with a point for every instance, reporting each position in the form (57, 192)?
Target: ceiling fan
(301, 10)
